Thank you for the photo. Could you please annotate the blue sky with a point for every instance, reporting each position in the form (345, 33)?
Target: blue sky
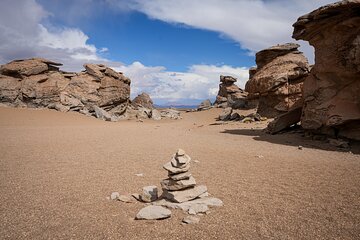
(173, 49)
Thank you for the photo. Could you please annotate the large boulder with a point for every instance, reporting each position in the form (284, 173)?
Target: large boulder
(39, 83)
(143, 100)
(331, 92)
(278, 79)
(230, 95)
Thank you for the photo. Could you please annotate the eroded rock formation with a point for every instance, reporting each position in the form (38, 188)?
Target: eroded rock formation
(277, 81)
(230, 95)
(331, 92)
(38, 83)
(143, 100)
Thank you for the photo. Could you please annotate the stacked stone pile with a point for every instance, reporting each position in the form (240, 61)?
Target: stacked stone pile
(179, 191)
(180, 186)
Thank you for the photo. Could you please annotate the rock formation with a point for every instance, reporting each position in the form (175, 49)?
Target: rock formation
(143, 100)
(229, 94)
(38, 83)
(277, 81)
(331, 92)
(204, 105)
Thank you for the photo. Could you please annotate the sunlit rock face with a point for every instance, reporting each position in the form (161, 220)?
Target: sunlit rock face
(38, 83)
(277, 81)
(331, 92)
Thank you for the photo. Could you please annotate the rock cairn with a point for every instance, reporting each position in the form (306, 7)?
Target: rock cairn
(180, 186)
(179, 192)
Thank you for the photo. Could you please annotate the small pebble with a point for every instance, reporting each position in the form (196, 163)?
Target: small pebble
(300, 147)
(114, 195)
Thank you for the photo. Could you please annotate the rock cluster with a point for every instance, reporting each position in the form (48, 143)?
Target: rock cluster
(229, 115)
(230, 95)
(98, 91)
(331, 92)
(204, 105)
(278, 79)
(38, 83)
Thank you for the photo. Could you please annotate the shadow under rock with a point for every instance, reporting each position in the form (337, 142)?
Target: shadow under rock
(293, 138)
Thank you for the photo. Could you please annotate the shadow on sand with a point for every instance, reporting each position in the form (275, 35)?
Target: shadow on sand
(294, 138)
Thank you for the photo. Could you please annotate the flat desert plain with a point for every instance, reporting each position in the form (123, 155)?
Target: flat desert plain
(57, 170)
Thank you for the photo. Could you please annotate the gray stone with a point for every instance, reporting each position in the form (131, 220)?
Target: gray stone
(172, 185)
(149, 194)
(102, 114)
(174, 170)
(181, 161)
(125, 198)
(205, 105)
(184, 195)
(226, 114)
(153, 213)
(191, 220)
(198, 208)
(185, 206)
(170, 113)
(155, 114)
(114, 195)
(180, 176)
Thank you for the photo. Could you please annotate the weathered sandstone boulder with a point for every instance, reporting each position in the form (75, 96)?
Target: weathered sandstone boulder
(331, 92)
(39, 83)
(278, 79)
(230, 95)
(143, 100)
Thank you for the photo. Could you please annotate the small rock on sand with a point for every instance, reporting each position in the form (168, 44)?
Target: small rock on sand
(114, 195)
(153, 213)
(149, 194)
(191, 220)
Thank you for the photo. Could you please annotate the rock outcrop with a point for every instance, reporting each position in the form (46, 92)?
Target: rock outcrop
(143, 100)
(230, 95)
(278, 79)
(38, 83)
(331, 92)
(204, 105)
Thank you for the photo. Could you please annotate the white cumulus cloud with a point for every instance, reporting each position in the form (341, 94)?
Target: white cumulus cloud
(254, 24)
(22, 35)
(199, 82)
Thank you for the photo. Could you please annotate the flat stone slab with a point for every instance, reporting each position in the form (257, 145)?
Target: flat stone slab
(173, 185)
(180, 162)
(198, 208)
(180, 176)
(153, 213)
(191, 220)
(185, 206)
(184, 195)
(175, 170)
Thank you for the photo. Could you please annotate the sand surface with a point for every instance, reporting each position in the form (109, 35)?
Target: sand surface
(56, 170)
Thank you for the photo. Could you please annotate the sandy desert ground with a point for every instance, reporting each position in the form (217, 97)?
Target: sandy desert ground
(56, 170)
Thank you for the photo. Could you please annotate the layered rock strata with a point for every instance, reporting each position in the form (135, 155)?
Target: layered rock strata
(38, 83)
(331, 92)
(230, 95)
(277, 81)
